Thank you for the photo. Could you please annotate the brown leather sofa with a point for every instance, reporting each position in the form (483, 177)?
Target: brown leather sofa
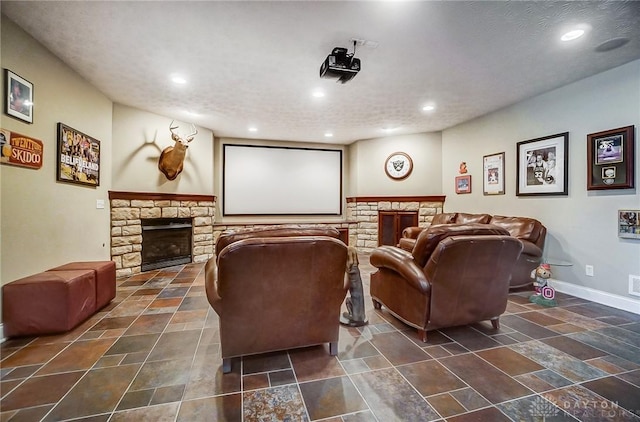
(277, 289)
(455, 275)
(530, 231)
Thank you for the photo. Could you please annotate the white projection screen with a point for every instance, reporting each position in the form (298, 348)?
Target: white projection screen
(266, 180)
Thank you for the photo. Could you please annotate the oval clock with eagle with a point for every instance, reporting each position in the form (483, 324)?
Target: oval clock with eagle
(398, 165)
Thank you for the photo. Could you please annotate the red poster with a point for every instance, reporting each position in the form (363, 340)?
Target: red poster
(20, 150)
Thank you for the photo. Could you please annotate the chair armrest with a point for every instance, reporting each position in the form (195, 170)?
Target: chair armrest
(530, 248)
(211, 285)
(411, 232)
(401, 262)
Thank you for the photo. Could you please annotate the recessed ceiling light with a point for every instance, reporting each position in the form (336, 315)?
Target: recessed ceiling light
(177, 79)
(253, 129)
(389, 129)
(328, 135)
(318, 94)
(572, 35)
(428, 107)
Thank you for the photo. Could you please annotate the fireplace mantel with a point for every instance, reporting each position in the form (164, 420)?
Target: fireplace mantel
(160, 196)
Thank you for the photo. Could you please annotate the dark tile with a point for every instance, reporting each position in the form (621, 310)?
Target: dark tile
(284, 401)
(175, 345)
(82, 399)
(540, 318)
(560, 362)
(33, 354)
(597, 310)
(29, 414)
(206, 378)
(20, 372)
(526, 327)
(133, 344)
(253, 382)
(331, 397)
(446, 405)
(430, 377)
(609, 345)
(111, 323)
(469, 338)
(161, 413)
(167, 394)
(635, 327)
(574, 348)
(148, 324)
(366, 416)
(133, 399)
(617, 391)
(390, 397)
(490, 414)
(265, 362)
(79, 355)
(586, 406)
(633, 377)
(173, 292)
(38, 391)
(494, 385)
(470, 398)
(162, 373)
(509, 361)
(622, 335)
(534, 408)
(398, 349)
(314, 363)
(282, 377)
(194, 303)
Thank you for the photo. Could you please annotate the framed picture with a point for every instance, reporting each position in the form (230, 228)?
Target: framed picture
(463, 184)
(629, 224)
(610, 156)
(543, 166)
(493, 174)
(78, 157)
(19, 97)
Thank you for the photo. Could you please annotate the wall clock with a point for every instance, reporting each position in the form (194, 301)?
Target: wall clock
(398, 165)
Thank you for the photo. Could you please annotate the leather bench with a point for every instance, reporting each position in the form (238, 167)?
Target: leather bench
(57, 300)
(105, 273)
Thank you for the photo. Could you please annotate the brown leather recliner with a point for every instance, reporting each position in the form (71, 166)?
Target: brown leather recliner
(455, 275)
(277, 289)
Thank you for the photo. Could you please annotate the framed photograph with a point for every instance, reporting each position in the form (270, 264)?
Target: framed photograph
(463, 184)
(493, 174)
(78, 157)
(610, 156)
(19, 97)
(629, 224)
(543, 166)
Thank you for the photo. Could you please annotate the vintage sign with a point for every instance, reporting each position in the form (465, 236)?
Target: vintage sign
(20, 150)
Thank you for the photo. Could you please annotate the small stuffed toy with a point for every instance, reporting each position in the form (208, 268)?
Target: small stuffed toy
(545, 295)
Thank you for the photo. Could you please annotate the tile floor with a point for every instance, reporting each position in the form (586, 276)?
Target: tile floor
(153, 355)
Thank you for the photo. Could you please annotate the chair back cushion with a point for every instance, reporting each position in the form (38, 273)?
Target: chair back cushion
(469, 277)
(428, 239)
(444, 218)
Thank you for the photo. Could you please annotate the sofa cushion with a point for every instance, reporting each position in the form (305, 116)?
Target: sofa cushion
(522, 228)
(429, 238)
(464, 218)
(444, 218)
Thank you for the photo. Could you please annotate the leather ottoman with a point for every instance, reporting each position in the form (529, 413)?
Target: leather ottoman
(105, 273)
(48, 303)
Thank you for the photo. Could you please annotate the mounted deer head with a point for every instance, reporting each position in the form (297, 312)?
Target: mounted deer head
(172, 158)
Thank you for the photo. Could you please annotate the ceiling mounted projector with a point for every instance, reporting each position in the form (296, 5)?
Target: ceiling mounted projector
(340, 65)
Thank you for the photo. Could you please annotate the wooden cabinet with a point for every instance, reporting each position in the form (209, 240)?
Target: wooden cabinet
(391, 224)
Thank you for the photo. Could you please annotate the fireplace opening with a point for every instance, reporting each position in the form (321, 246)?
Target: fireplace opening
(166, 242)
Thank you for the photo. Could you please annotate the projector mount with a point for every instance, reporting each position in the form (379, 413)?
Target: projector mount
(340, 64)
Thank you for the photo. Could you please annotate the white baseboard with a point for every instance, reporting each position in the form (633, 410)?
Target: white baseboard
(2, 339)
(604, 298)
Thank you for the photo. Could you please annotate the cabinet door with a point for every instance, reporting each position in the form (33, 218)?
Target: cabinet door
(387, 228)
(406, 219)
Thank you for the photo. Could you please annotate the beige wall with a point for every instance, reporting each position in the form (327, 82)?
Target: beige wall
(582, 227)
(368, 158)
(45, 223)
(140, 136)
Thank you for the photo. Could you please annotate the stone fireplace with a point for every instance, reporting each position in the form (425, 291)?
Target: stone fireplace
(133, 213)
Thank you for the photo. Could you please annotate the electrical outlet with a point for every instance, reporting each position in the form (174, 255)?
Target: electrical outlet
(588, 270)
(634, 285)
(100, 204)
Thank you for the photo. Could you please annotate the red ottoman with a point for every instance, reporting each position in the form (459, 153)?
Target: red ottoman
(105, 272)
(47, 303)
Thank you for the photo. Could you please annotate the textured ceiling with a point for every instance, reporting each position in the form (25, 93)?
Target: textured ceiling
(257, 63)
